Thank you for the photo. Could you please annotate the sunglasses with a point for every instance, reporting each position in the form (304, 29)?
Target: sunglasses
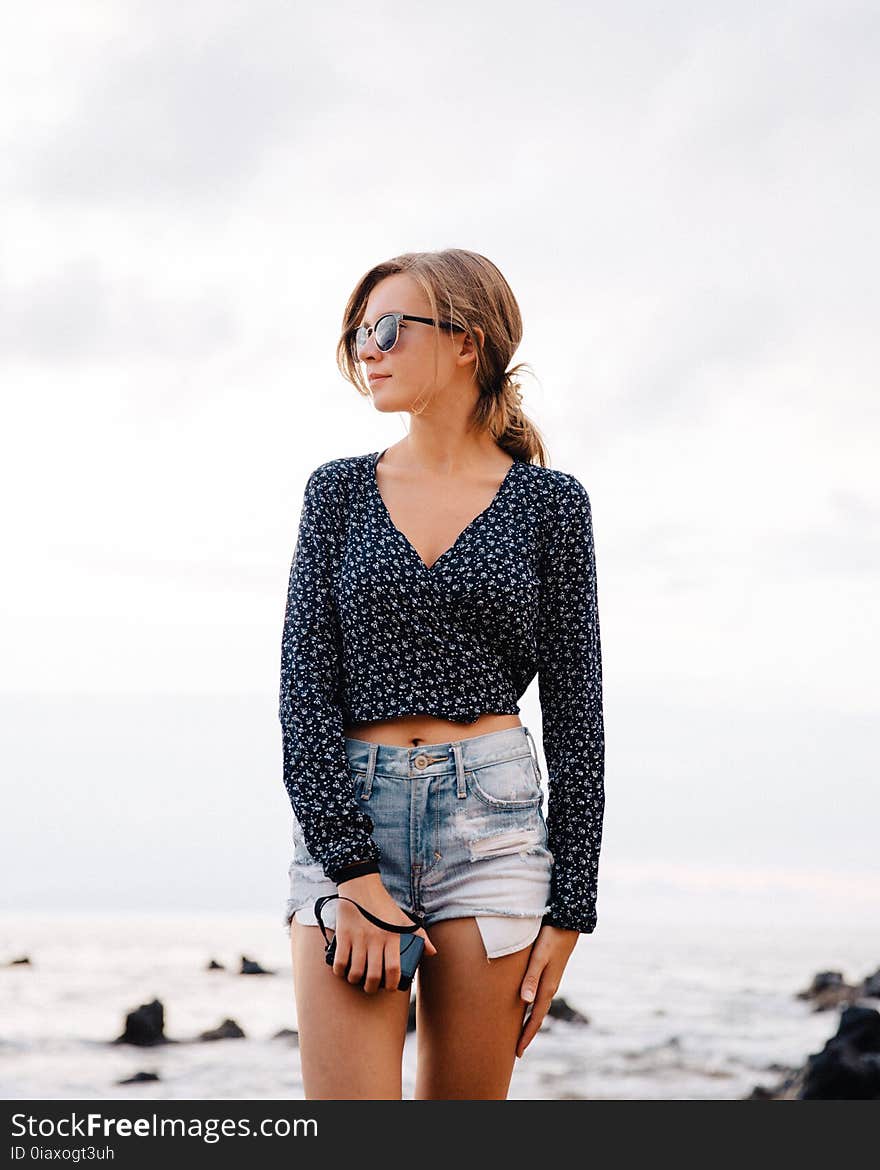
(387, 330)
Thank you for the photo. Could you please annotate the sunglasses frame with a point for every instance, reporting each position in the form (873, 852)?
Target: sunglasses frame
(398, 317)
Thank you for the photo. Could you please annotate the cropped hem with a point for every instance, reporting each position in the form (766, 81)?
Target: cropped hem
(563, 924)
(427, 707)
(355, 869)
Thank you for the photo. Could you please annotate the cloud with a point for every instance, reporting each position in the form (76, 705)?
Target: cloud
(80, 312)
(181, 108)
(844, 544)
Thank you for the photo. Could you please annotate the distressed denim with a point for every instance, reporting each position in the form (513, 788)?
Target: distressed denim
(461, 831)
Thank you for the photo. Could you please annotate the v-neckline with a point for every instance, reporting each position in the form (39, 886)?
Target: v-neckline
(374, 483)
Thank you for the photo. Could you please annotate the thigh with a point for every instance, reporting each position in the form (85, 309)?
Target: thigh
(351, 1043)
(469, 1015)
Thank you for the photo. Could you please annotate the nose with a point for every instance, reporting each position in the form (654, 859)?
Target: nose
(364, 351)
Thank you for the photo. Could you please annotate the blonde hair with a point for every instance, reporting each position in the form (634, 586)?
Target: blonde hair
(473, 293)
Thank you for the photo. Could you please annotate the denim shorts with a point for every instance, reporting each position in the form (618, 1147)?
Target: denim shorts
(461, 832)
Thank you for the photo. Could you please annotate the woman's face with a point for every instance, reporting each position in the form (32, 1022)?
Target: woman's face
(408, 370)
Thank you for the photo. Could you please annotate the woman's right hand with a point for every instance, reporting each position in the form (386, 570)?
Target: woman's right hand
(370, 948)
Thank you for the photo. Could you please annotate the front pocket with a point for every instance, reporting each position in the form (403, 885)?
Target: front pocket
(508, 784)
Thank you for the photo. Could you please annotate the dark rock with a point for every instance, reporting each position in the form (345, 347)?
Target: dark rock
(145, 1026)
(411, 1018)
(871, 985)
(847, 1068)
(252, 967)
(759, 1093)
(287, 1034)
(25, 959)
(822, 981)
(560, 1010)
(228, 1030)
(829, 990)
(835, 998)
(138, 1077)
(215, 966)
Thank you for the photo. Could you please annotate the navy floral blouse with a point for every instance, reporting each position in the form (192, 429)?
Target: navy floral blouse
(371, 632)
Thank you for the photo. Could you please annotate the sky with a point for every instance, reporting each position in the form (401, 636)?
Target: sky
(683, 200)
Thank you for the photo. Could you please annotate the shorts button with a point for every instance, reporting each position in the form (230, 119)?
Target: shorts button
(421, 761)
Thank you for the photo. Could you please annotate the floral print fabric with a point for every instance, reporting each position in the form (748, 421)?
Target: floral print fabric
(371, 632)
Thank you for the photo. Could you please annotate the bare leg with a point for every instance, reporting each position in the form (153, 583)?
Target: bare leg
(469, 1016)
(351, 1043)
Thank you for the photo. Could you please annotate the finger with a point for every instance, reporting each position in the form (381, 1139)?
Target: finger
(430, 949)
(529, 987)
(532, 1026)
(343, 953)
(392, 964)
(375, 957)
(358, 963)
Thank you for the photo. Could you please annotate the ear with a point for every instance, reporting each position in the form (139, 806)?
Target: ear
(467, 352)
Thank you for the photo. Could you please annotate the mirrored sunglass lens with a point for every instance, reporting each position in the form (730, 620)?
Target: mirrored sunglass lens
(386, 332)
(360, 338)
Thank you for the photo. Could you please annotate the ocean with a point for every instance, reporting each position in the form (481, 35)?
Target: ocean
(680, 1006)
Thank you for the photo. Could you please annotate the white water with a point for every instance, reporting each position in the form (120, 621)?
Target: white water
(677, 1010)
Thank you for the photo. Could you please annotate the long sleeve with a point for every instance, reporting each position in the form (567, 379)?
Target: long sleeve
(570, 693)
(337, 833)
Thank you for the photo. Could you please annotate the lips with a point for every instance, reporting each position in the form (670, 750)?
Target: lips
(378, 377)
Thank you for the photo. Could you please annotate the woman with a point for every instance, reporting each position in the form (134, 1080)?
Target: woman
(430, 583)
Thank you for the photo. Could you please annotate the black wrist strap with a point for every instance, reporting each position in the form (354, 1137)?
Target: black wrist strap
(319, 906)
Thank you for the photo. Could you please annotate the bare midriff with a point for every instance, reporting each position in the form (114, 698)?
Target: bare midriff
(416, 730)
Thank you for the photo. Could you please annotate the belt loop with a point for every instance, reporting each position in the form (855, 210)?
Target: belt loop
(459, 770)
(534, 750)
(371, 770)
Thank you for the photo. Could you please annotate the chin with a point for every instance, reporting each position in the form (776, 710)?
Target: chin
(389, 403)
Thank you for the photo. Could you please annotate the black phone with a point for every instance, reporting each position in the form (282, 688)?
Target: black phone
(412, 946)
(411, 951)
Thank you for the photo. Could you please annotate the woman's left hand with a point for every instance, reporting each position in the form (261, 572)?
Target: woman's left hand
(551, 951)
